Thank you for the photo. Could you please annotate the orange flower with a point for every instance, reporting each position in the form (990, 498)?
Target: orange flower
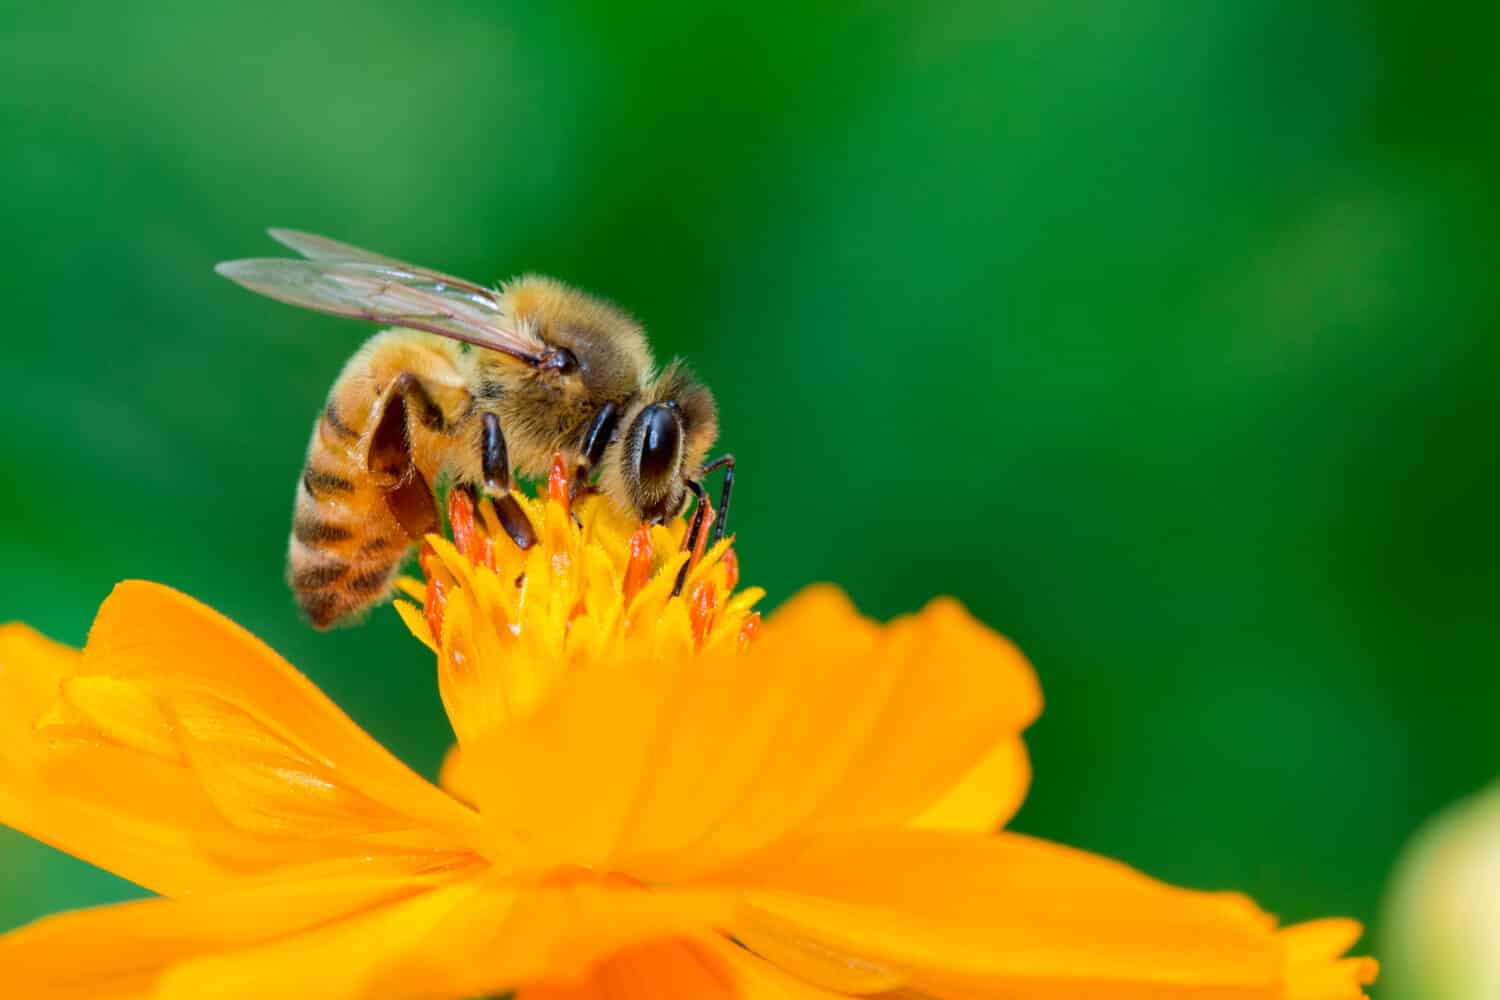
(652, 796)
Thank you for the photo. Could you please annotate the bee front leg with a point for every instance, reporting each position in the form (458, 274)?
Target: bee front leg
(695, 526)
(596, 439)
(494, 460)
(389, 459)
(725, 462)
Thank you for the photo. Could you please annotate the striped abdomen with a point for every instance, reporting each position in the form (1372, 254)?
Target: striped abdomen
(346, 545)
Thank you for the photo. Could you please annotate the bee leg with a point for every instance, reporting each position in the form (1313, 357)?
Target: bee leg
(494, 460)
(725, 462)
(407, 494)
(602, 430)
(690, 539)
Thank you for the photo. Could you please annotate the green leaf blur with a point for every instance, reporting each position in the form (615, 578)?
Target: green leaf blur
(1163, 335)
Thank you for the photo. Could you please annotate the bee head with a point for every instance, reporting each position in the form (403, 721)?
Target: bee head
(667, 433)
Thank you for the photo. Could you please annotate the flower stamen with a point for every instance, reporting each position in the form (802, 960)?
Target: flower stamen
(434, 606)
(638, 569)
(702, 603)
(701, 530)
(557, 482)
(461, 521)
(597, 587)
(693, 542)
(750, 629)
(731, 567)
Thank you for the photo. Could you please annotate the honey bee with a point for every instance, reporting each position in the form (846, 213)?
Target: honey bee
(472, 383)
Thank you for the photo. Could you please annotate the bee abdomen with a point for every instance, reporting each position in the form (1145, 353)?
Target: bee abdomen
(346, 543)
(318, 533)
(345, 546)
(321, 482)
(334, 423)
(329, 603)
(344, 552)
(319, 575)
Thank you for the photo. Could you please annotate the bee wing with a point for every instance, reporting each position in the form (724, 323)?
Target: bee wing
(382, 290)
(315, 247)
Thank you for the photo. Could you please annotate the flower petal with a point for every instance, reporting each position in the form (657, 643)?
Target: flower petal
(963, 916)
(32, 668)
(179, 752)
(457, 778)
(960, 689)
(988, 797)
(469, 937)
(1314, 969)
(140, 819)
(179, 647)
(829, 723)
(757, 979)
(679, 968)
(341, 960)
(504, 936)
(124, 949)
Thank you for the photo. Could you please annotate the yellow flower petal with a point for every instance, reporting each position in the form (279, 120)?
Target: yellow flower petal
(757, 979)
(505, 936)
(172, 753)
(142, 819)
(341, 960)
(963, 915)
(959, 690)
(265, 786)
(127, 947)
(677, 969)
(456, 778)
(122, 712)
(663, 768)
(182, 649)
(1318, 940)
(1314, 969)
(32, 669)
(986, 799)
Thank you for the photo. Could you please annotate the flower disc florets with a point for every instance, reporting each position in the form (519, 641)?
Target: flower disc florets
(597, 588)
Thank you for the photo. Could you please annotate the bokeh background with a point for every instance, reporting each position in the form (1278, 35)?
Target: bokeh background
(1164, 335)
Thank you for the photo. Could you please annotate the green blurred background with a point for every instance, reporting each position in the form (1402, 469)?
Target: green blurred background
(1164, 335)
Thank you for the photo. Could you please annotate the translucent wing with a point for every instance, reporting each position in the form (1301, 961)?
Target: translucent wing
(315, 247)
(347, 281)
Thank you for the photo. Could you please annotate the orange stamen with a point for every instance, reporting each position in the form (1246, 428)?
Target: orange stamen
(557, 481)
(731, 570)
(638, 569)
(434, 606)
(701, 541)
(750, 630)
(487, 554)
(702, 603)
(466, 534)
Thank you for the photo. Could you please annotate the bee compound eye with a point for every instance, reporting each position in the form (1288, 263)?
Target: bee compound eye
(562, 361)
(660, 438)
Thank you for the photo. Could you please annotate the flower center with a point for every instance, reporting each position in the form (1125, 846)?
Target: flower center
(597, 588)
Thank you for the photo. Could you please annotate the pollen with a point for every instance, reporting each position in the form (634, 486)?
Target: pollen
(599, 587)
